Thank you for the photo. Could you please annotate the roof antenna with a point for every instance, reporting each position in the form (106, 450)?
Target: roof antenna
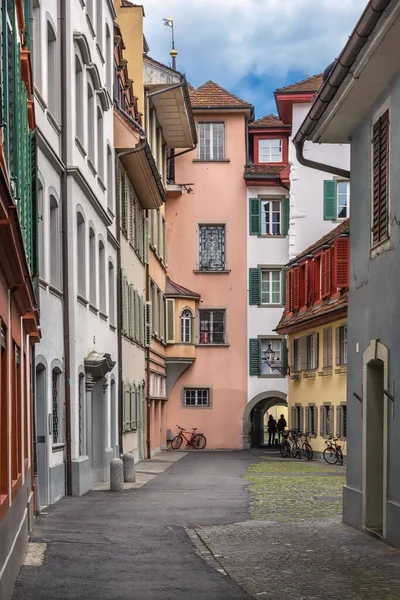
(169, 22)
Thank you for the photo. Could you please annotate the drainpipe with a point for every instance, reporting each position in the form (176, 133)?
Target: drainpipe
(119, 310)
(148, 434)
(342, 67)
(65, 245)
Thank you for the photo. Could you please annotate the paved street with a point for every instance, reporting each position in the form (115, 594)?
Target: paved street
(273, 528)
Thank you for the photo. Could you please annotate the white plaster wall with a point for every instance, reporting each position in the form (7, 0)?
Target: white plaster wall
(306, 187)
(262, 321)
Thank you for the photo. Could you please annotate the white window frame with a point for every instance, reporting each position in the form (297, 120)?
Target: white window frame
(186, 326)
(202, 147)
(270, 272)
(312, 352)
(271, 212)
(268, 147)
(212, 311)
(275, 342)
(347, 183)
(195, 391)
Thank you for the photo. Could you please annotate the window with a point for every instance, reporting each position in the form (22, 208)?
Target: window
(380, 179)
(41, 230)
(53, 71)
(211, 137)
(212, 327)
(312, 351)
(271, 217)
(81, 258)
(186, 327)
(56, 406)
(109, 61)
(100, 144)
(327, 417)
(297, 355)
(344, 421)
(212, 247)
(99, 23)
(3, 413)
(92, 267)
(196, 397)
(276, 346)
(343, 199)
(89, 5)
(79, 99)
(312, 417)
(110, 188)
(341, 345)
(90, 120)
(269, 151)
(271, 287)
(102, 277)
(55, 243)
(37, 63)
(327, 349)
(82, 407)
(111, 293)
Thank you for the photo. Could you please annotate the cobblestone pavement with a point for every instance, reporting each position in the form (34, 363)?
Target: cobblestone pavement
(296, 545)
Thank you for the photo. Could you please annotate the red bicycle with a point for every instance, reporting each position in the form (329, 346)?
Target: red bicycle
(197, 440)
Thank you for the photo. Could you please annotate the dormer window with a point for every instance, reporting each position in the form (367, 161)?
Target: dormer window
(270, 151)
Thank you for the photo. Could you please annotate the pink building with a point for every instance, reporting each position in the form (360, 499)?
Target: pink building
(207, 320)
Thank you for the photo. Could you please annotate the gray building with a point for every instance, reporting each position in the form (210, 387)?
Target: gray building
(359, 103)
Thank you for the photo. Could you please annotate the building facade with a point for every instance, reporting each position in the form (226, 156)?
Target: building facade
(315, 322)
(364, 109)
(19, 317)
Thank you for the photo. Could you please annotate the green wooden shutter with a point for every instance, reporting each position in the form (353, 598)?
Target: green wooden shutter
(330, 200)
(254, 357)
(285, 354)
(283, 287)
(35, 203)
(285, 216)
(255, 216)
(255, 286)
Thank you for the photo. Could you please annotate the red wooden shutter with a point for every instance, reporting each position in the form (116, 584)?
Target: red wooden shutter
(306, 283)
(317, 277)
(323, 275)
(327, 274)
(289, 291)
(310, 282)
(341, 263)
(296, 288)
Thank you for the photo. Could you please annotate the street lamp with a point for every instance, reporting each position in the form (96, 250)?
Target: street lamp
(270, 360)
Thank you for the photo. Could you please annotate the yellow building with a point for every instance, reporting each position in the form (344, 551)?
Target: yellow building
(315, 321)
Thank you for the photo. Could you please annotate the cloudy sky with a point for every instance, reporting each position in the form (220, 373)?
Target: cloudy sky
(251, 47)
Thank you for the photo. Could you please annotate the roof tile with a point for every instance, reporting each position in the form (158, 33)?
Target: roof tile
(212, 95)
(344, 227)
(310, 84)
(268, 121)
(263, 170)
(175, 290)
(312, 313)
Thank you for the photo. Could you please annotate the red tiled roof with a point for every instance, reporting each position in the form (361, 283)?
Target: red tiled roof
(310, 84)
(329, 306)
(212, 95)
(268, 121)
(344, 227)
(270, 170)
(174, 290)
(191, 88)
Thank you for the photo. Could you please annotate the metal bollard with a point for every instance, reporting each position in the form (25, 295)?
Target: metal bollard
(116, 475)
(129, 467)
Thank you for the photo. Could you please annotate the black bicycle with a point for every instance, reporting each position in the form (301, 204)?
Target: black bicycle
(284, 447)
(333, 452)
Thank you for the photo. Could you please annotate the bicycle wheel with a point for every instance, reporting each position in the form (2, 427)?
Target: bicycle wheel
(295, 450)
(307, 451)
(199, 441)
(340, 457)
(284, 449)
(176, 442)
(330, 456)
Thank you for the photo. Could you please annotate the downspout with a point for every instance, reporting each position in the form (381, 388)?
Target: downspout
(119, 310)
(148, 434)
(312, 164)
(64, 218)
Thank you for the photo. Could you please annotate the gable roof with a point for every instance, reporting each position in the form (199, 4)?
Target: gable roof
(212, 95)
(268, 121)
(174, 290)
(310, 84)
(341, 229)
(267, 170)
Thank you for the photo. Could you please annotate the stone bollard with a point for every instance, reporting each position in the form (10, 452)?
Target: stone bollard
(129, 467)
(116, 475)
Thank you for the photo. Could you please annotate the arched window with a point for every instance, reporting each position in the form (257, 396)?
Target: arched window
(110, 187)
(89, 8)
(111, 293)
(186, 326)
(79, 99)
(53, 71)
(90, 120)
(102, 277)
(100, 144)
(92, 267)
(109, 61)
(55, 243)
(41, 230)
(81, 258)
(37, 50)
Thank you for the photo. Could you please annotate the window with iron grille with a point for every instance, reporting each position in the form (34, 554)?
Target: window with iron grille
(211, 141)
(212, 327)
(212, 247)
(196, 397)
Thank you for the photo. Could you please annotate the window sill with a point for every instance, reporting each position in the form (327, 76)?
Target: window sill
(58, 447)
(113, 327)
(219, 272)
(195, 406)
(325, 373)
(271, 236)
(91, 167)
(272, 376)
(55, 291)
(223, 161)
(341, 370)
(93, 309)
(40, 98)
(111, 212)
(101, 183)
(82, 300)
(380, 248)
(212, 345)
(296, 376)
(103, 316)
(280, 306)
(80, 147)
(100, 53)
(43, 283)
(90, 25)
(309, 374)
(53, 122)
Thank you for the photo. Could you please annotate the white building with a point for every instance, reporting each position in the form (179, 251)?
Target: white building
(289, 207)
(76, 360)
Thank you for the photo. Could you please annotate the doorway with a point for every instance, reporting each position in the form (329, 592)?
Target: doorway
(41, 433)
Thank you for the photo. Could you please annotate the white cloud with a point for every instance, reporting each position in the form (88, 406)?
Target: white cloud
(229, 40)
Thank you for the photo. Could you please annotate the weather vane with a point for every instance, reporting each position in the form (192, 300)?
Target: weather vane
(169, 22)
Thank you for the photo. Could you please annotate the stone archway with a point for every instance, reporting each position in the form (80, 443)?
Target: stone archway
(266, 400)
